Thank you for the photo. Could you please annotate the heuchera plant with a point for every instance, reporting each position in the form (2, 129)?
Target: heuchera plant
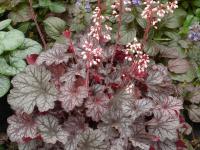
(94, 94)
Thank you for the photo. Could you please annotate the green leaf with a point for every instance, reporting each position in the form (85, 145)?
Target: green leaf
(57, 7)
(141, 22)
(152, 48)
(5, 23)
(77, 27)
(54, 27)
(127, 35)
(17, 63)
(184, 44)
(10, 70)
(4, 85)
(127, 17)
(197, 12)
(21, 14)
(11, 40)
(186, 24)
(44, 3)
(24, 26)
(187, 77)
(29, 47)
(196, 3)
(176, 19)
(172, 35)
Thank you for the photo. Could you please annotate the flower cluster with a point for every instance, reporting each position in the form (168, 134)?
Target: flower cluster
(155, 11)
(91, 52)
(135, 55)
(98, 31)
(194, 33)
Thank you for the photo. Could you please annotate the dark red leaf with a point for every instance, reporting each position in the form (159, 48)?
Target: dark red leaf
(152, 148)
(114, 85)
(180, 144)
(71, 49)
(26, 139)
(97, 78)
(181, 119)
(120, 56)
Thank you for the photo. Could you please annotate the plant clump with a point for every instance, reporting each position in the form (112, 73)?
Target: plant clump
(100, 91)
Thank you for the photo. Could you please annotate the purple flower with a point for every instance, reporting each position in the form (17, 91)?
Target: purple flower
(136, 2)
(194, 33)
(193, 36)
(78, 3)
(87, 6)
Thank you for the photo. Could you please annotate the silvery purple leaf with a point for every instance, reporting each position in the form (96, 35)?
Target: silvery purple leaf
(118, 144)
(72, 142)
(75, 125)
(116, 119)
(159, 82)
(97, 106)
(31, 145)
(21, 126)
(139, 144)
(50, 130)
(165, 127)
(71, 96)
(92, 140)
(70, 76)
(135, 108)
(56, 55)
(165, 145)
(33, 88)
(168, 106)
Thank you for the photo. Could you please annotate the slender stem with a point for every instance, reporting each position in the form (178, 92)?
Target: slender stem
(87, 76)
(118, 32)
(34, 18)
(146, 31)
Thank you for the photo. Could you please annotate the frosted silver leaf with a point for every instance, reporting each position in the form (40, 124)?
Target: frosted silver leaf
(194, 113)
(32, 88)
(118, 120)
(165, 127)
(92, 140)
(32, 145)
(56, 55)
(142, 146)
(119, 97)
(118, 144)
(50, 130)
(158, 82)
(166, 145)
(135, 108)
(70, 76)
(72, 96)
(72, 143)
(75, 125)
(21, 126)
(97, 106)
(168, 106)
